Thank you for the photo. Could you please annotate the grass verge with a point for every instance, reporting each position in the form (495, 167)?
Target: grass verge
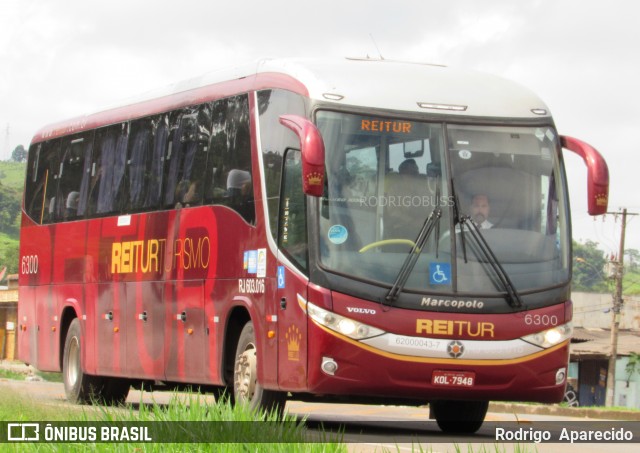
(226, 428)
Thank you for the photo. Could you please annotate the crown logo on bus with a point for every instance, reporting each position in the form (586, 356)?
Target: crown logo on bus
(293, 338)
(314, 179)
(602, 199)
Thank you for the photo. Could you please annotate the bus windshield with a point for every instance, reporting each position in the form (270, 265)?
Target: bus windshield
(386, 176)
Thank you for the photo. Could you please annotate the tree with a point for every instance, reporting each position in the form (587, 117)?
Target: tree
(19, 154)
(634, 258)
(588, 267)
(9, 209)
(633, 365)
(9, 255)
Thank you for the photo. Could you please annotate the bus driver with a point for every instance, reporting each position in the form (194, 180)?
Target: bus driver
(480, 212)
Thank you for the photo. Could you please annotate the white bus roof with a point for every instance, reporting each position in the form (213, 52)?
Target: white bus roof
(383, 84)
(393, 85)
(408, 86)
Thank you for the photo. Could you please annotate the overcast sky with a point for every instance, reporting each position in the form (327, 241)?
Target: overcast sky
(63, 58)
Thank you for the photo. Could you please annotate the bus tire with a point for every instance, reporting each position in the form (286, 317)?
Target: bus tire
(461, 417)
(246, 388)
(80, 388)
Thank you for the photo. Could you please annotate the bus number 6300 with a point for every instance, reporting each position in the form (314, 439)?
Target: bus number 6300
(29, 264)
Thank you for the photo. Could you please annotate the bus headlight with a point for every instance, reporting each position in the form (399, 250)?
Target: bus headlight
(550, 337)
(344, 326)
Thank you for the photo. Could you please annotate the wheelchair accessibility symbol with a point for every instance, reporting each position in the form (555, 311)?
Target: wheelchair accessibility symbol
(281, 281)
(439, 273)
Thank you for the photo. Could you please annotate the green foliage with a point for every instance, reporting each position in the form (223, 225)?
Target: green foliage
(11, 185)
(269, 433)
(589, 267)
(12, 175)
(9, 253)
(19, 154)
(10, 202)
(22, 374)
(632, 261)
(633, 365)
(631, 282)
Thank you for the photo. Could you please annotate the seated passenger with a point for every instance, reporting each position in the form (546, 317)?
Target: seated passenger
(187, 193)
(71, 206)
(240, 193)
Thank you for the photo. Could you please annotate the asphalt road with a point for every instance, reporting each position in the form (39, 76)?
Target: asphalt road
(388, 428)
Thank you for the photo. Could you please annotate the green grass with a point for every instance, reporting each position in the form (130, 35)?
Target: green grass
(613, 408)
(631, 282)
(16, 407)
(21, 376)
(250, 431)
(9, 374)
(12, 174)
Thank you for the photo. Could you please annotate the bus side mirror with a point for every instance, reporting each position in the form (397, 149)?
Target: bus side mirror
(597, 174)
(312, 150)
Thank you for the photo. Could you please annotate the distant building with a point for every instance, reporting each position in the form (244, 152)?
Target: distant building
(594, 310)
(591, 349)
(9, 319)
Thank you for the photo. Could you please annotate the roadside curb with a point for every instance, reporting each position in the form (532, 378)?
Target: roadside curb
(17, 367)
(553, 409)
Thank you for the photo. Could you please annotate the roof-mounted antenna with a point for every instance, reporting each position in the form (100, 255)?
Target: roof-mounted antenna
(376, 45)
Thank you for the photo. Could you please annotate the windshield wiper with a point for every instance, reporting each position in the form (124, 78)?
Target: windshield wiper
(412, 258)
(457, 218)
(513, 297)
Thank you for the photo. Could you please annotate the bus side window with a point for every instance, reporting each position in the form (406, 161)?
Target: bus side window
(186, 156)
(108, 169)
(274, 140)
(228, 179)
(292, 234)
(156, 166)
(138, 165)
(74, 177)
(42, 181)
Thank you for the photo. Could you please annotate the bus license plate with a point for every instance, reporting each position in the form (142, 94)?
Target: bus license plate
(453, 378)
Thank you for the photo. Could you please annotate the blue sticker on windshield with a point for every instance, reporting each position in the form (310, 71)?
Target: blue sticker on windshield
(440, 273)
(338, 234)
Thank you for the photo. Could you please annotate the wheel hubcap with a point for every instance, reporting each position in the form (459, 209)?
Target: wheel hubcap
(73, 362)
(245, 377)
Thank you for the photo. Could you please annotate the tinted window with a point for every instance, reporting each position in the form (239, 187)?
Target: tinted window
(186, 155)
(275, 139)
(75, 175)
(108, 170)
(229, 177)
(292, 237)
(42, 182)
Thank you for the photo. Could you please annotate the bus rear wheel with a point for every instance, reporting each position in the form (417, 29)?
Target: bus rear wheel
(462, 417)
(79, 387)
(82, 388)
(246, 388)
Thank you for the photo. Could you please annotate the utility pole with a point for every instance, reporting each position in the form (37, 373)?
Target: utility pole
(615, 317)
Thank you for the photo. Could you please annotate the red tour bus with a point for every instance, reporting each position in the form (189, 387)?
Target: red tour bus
(356, 230)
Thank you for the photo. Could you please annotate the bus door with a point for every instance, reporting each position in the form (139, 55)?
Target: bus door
(291, 277)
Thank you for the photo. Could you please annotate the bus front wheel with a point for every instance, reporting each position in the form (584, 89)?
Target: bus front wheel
(246, 388)
(462, 417)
